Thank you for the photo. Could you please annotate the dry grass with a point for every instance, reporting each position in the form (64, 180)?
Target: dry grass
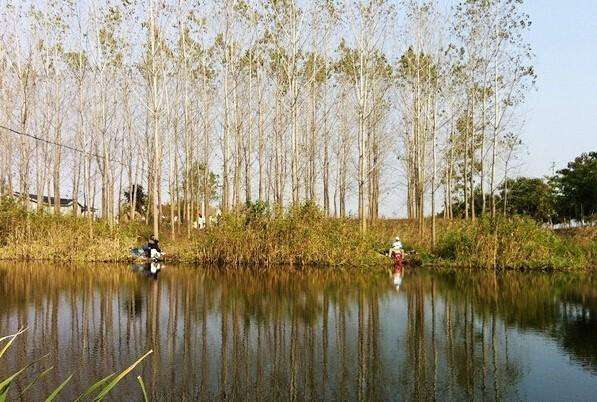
(39, 236)
(302, 236)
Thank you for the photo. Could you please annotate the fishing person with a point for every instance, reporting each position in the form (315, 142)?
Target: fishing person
(153, 249)
(396, 252)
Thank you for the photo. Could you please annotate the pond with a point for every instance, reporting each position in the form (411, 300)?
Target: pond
(282, 334)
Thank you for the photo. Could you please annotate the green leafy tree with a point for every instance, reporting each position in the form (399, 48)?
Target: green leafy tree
(198, 183)
(529, 196)
(576, 188)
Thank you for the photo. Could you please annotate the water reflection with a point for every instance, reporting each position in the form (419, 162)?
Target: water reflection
(316, 335)
(397, 275)
(148, 269)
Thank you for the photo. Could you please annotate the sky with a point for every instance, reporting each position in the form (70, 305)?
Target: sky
(561, 113)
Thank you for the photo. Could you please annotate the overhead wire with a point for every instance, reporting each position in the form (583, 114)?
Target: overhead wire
(58, 144)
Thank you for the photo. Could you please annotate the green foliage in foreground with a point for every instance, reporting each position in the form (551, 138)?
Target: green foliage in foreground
(301, 236)
(97, 391)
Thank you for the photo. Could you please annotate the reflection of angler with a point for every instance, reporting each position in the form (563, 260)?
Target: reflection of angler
(150, 270)
(397, 277)
(154, 268)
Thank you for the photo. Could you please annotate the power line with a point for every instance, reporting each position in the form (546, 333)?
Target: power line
(57, 144)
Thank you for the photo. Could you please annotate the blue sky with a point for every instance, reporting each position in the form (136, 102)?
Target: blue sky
(561, 114)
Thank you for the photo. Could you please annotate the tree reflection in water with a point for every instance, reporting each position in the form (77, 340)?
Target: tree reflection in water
(287, 335)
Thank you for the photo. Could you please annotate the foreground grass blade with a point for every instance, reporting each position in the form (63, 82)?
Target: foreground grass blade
(5, 384)
(145, 398)
(119, 377)
(11, 340)
(95, 387)
(20, 331)
(54, 394)
(35, 380)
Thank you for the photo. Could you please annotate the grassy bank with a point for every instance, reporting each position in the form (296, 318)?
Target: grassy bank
(301, 236)
(40, 236)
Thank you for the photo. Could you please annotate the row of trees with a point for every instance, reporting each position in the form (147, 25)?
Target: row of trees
(284, 101)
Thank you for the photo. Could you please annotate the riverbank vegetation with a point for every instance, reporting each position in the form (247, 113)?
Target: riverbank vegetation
(42, 236)
(301, 236)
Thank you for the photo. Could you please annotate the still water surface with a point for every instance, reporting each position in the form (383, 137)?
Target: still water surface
(311, 335)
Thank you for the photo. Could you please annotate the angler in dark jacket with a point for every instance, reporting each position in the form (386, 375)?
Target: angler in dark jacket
(153, 244)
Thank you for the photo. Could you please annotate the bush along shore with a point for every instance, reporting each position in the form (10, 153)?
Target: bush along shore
(301, 236)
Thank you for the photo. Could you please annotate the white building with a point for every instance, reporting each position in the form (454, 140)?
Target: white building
(67, 205)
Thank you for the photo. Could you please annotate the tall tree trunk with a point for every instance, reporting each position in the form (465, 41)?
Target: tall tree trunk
(494, 140)
(206, 147)
(226, 134)
(466, 162)
(473, 152)
(326, 157)
(434, 171)
(249, 145)
(155, 125)
(261, 139)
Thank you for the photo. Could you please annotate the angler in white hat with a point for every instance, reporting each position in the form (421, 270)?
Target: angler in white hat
(397, 247)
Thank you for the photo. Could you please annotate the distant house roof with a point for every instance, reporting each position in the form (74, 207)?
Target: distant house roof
(64, 202)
